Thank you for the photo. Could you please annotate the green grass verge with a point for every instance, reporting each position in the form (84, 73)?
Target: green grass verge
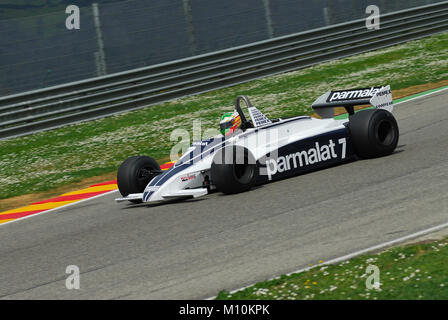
(407, 272)
(49, 159)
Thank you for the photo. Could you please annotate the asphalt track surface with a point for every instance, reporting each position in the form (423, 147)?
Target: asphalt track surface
(194, 249)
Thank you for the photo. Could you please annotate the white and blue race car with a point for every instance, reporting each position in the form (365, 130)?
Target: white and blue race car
(264, 150)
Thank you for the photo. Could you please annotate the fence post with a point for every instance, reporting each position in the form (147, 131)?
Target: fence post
(267, 13)
(100, 56)
(328, 11)
(190, 27)
(326, 16)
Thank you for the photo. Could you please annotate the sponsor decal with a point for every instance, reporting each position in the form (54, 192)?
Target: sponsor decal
(384, 92)
(383, 99)
(316, 154)
(188, 177)
(199, 143)
(352, 94)
(384, 105)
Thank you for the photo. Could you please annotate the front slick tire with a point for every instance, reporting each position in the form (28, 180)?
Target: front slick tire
(135, 173)
(374, 133)
(234, 170)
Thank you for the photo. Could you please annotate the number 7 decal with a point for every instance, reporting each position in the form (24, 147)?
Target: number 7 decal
(343, 141)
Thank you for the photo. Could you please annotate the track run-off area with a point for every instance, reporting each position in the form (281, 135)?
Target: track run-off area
(195, 248)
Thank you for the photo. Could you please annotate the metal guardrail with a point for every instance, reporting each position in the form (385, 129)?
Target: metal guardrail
(56, 106)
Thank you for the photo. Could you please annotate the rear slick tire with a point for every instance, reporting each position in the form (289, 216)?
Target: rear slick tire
(234, 170)
(374, 133)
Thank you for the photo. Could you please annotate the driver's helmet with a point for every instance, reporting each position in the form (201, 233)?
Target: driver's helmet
(230, 122)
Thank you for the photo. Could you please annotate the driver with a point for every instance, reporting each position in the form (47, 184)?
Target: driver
(230, 122)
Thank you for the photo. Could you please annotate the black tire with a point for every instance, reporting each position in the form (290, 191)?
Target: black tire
(135, 173)
(374, 133)
(234, 170)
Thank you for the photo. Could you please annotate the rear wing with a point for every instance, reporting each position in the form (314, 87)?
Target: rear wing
(379, 97)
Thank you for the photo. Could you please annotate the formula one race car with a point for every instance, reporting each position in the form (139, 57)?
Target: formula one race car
(261, 150)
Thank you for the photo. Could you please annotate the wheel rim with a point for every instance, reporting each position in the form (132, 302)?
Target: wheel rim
(144, 175)
(385, 133)
(243, 172)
